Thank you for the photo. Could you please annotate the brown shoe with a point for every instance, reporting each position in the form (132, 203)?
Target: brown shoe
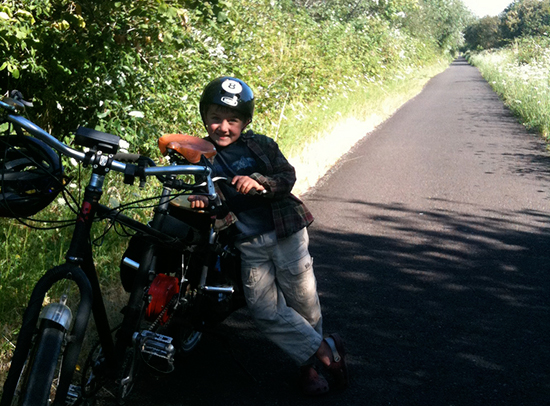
(338, 368)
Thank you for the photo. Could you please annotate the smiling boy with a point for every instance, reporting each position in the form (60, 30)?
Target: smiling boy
(277, 269)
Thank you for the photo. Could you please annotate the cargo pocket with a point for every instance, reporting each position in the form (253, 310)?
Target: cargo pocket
(301, 290)
(301, 283)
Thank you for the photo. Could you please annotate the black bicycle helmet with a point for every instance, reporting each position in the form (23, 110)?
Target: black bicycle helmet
(228, 92)
(31, 176)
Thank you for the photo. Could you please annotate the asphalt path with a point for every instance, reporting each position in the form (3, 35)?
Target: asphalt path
(432, 254)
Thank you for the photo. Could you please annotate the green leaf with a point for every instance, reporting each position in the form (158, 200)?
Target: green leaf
(222, 16)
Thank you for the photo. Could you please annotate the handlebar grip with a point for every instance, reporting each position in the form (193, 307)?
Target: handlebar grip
(255, 192)
(251, 192)
(125, 157)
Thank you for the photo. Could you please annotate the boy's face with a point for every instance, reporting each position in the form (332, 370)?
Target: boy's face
(224, 125)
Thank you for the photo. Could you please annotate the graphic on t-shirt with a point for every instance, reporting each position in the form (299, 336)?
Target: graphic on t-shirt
(243, 163)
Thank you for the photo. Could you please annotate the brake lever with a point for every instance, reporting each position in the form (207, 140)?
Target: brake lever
(18, 96)
(12, 105)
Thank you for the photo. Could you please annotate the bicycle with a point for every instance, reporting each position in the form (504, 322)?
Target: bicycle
(49, 342)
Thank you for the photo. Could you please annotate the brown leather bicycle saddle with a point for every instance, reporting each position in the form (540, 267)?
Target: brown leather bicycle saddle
(191, 148)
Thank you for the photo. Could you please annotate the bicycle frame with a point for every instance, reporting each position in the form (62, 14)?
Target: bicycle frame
(80, 266)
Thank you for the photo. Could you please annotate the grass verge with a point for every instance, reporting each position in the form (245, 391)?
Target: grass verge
(334, 126)
(522, 81)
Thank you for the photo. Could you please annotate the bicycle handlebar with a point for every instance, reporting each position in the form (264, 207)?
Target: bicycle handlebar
(115, 165)
(42, 135)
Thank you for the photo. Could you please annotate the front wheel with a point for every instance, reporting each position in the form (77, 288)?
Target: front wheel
(36, 385)
(36, 376)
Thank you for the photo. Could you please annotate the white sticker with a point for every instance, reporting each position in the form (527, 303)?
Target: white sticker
(232, 86)
(231, 101)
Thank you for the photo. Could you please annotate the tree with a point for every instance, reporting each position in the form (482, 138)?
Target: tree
(483, 33)
(348, 10)
(442, 20)
(526, 18)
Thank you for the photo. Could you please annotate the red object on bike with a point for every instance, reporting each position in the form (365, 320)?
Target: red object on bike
(161, 291)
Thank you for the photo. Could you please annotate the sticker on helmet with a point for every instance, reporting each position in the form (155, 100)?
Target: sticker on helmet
(232, 86)
(231, 101)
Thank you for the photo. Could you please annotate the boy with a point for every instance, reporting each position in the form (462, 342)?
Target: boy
(279, 283)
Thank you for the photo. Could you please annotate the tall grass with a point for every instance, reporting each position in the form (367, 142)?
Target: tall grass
(520, 74)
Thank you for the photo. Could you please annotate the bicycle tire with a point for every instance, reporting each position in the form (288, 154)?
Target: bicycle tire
(31, 339)
(36, 380)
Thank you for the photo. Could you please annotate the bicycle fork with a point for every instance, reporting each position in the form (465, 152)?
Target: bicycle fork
(59, 314)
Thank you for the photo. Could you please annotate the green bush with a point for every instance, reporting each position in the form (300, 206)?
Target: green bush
(137, 69)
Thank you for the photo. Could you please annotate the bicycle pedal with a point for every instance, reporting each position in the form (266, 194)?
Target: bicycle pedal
(155, 344)
(73, 395)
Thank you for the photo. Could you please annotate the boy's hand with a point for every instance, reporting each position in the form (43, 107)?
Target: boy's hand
(244, 184)
(198, 201)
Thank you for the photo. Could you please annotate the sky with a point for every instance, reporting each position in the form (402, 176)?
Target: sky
(487, 7)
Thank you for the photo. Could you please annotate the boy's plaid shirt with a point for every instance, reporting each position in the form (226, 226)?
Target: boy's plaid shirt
(277, 176)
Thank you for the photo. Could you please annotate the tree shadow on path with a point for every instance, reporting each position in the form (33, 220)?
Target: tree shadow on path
(440, 307)
(436, 307)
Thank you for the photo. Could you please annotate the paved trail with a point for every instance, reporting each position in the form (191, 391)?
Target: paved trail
(432, 251)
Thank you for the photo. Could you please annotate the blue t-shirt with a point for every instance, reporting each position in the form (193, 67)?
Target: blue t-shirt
(253, 212)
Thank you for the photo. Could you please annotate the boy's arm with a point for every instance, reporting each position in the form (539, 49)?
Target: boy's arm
(245, 184)
(280, 183)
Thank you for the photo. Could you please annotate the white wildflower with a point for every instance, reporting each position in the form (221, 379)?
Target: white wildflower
(137, 114)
